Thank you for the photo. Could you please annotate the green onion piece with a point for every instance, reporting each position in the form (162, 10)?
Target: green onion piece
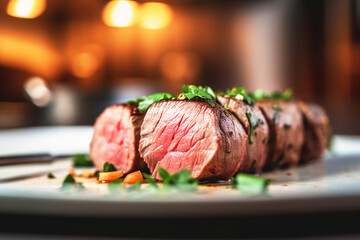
(250, 184)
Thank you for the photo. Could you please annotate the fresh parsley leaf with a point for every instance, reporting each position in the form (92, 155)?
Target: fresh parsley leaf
(193, 92)
(260, 94)
(148, 178)
(81, 160)
(135, 186)
(69, 179)
(108, 167)
(50, 176)
(97, 172)
(239, 93)
(69, 184)
(181, 180)
(250, 184)
(145, 102)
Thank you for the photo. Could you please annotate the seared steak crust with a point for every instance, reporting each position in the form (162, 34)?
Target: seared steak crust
(256, 150)
(286, 132)
(317, 131)
(209, 141)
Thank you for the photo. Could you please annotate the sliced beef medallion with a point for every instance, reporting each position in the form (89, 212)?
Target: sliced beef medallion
(207, 140)
(317, 131)
(286, 132)
(116, 138)
(257, 129)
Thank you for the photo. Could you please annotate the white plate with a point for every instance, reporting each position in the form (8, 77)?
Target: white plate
(328, 185)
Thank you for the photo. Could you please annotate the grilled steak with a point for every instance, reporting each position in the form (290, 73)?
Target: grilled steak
(317, 130)
(116, 138)
(209, 141)
(257, 130)
(286, 132)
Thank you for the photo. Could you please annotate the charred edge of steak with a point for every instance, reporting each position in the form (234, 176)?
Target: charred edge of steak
(236, 107)
(316, 129)
(254, 121)
(286, 137)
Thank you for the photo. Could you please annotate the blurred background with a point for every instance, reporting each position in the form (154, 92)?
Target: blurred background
(62, 62)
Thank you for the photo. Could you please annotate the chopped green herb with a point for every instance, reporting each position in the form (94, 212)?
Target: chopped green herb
(69, 179)
(260, 94)
(238, 93)
(108, 167)
(151, 181)
(81, 160)
(193, 92)
(264, 141)
(226, 106)
(135, 186)
(69, 183)
(50, 176)
(277, 113)
(250, 184)
(287, 126)
(279, 161)
(97, 172)
(253, 166)
(253, 126)
(181, 180)
(228, 151)
(145, 102)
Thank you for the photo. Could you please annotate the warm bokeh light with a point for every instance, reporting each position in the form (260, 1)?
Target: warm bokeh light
(26, 8)
(155, 15)
(120, 13)
(85, 64)
(30, 53)
(38, 91)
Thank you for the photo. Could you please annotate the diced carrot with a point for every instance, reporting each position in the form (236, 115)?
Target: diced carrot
(86, 173)
(110, 176)
(72, 172)
(133, 177)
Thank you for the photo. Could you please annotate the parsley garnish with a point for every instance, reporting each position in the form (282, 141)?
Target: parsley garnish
(239, 93)
(193, 92)
(287, 126)
(181, 180)
(253, 166)
(69, 183)
(253, 126)
(260, 94)
(279, 161)
(108, 167)
(81, 160)
(145, 102)
(50, 176)
(250, 184)
(277, 113)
